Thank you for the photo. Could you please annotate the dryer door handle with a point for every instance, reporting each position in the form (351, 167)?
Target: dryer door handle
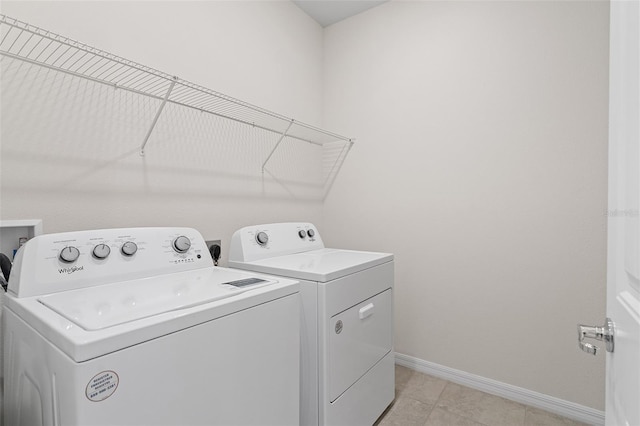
(366, 311)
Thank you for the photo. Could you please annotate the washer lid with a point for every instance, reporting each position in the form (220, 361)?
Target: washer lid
(317, 265)
(97, 308)
(163, 305)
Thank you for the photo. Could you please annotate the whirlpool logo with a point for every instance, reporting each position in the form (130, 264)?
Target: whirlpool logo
(70, 270)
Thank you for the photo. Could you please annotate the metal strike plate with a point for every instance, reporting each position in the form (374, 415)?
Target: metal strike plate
(604, 333)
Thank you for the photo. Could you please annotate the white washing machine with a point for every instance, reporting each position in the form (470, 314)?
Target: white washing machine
(136, 327)
(347, 357)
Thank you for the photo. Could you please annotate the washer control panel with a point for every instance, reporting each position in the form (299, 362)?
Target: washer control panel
(275, 239)
(56, 262)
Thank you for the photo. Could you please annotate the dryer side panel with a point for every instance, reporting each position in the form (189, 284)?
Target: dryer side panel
(309, 354)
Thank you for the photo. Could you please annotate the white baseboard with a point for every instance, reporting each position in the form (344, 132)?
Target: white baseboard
(514, 393)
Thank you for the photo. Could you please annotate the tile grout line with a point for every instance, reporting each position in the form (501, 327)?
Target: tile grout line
(435, 404)
(464, 416)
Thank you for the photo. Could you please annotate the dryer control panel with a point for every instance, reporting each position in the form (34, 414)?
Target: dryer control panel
(56, 262)
(274, 239)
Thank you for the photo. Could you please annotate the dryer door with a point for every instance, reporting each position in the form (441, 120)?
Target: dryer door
(358, 338)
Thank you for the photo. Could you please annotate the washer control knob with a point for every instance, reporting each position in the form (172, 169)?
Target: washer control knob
(262, 238)
(301, 233)
(69, 254)
(101, 251)
(129, 248)
(182, 244)
(311, 233)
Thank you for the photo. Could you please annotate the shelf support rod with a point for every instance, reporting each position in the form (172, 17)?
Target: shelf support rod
(155, 119)
(277, 144)
(331, 176)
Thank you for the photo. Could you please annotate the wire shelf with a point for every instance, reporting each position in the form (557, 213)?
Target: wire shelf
(34, 45)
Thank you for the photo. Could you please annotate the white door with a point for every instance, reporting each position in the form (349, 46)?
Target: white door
(623, 263)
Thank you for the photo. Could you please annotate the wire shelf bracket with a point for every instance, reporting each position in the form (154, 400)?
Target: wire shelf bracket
(155, 119)
(284, 134)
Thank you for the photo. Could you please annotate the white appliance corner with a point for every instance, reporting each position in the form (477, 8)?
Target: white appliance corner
(514, 393)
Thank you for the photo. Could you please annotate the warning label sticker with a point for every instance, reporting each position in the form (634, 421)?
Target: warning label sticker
(102, 386)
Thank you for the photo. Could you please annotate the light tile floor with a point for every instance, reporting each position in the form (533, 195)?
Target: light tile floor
(428, 401)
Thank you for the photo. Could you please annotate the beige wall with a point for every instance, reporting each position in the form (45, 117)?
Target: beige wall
(481, 163)
(70, 148)
(480, 160)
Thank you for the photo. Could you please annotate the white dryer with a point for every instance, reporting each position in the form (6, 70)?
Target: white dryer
(136, 327)
(347, 353)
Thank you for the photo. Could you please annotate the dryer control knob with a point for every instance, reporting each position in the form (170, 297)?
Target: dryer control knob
(69, 254)
(262, 238)
(101, 251)
(301, 233)
(182, 244)
(311, 233)
(129, 248)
